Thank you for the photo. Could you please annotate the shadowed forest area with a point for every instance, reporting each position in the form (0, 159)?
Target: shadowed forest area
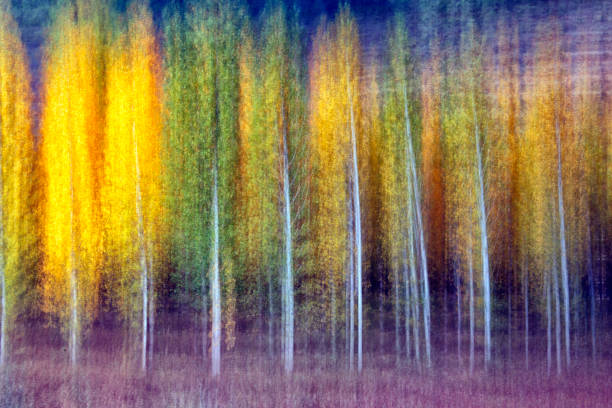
(397, 203)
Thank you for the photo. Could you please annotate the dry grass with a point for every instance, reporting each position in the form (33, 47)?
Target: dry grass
(109, 376)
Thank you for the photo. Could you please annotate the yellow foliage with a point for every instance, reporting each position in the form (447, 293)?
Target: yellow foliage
(16, 156)
(70, 154)
(132, 157)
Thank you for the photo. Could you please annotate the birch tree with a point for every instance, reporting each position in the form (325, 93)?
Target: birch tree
(132, 194)
(71, 129)
(216, 39)
(17, 233)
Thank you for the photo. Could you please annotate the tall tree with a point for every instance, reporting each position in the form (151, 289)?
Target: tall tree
(17, 233)
(283, 122)
(132, 194)
(404, 186)
(468, 151)
(187, 155)
(71, 152)
(215, 28)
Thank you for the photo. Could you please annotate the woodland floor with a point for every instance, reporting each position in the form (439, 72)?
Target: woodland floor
(40, 376)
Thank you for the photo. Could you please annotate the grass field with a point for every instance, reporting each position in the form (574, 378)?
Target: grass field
(109, 375)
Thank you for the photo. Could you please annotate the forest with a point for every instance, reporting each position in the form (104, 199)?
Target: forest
(203, 206)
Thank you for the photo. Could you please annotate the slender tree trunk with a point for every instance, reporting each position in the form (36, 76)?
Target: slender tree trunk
(151, 310)
(333, 318)
(357, 217)
(351, 291)
(142, 252)
(215, 286)
(548, 324)
(288, 281)
(288, 267)
(151, 289)
(564, 271)
(346, 315)
(381, 323)
(414, 294)
(204, 318)
(416, 196)
(3, 293)
(396, 310)
(3, 321)
(270, 315)
(484, 247)
(471, 288)
(74, 314)
(526, 307)
(458, 292)
(557, 315)
(72, 345)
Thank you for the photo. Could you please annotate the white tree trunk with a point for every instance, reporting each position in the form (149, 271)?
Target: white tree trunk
(484, 247)
(418, 216)
(557, 315)
(526, 307)
(3, 294)
(548, 324)
(351, 291)
(142, 252)
(357, 217)
(74, 315)
(204, 318)
(396, 311)
(215, 286)
(3, 321)
(151, 288)
(333, 318)
(471, 277)
(72, 344)
(415, 301)
(564, 272)
(288, 282)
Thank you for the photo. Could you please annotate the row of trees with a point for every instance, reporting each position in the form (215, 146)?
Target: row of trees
(216, 168)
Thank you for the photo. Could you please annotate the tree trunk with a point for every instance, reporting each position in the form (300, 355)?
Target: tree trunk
(204, 319)
(564, 271)
(526, 307)
(458, 292)
(142, 252)
(357, 217)
(270, 315)
(416, 197)
(351, 291)
(3, 321)
(151, 289)
(288, 281)
(333, 318)
(215, 286)
(471, 288)
(414, 294)
(557, 315)
(548, 325)
(484, 247)
(72, 345)
(396, 311)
